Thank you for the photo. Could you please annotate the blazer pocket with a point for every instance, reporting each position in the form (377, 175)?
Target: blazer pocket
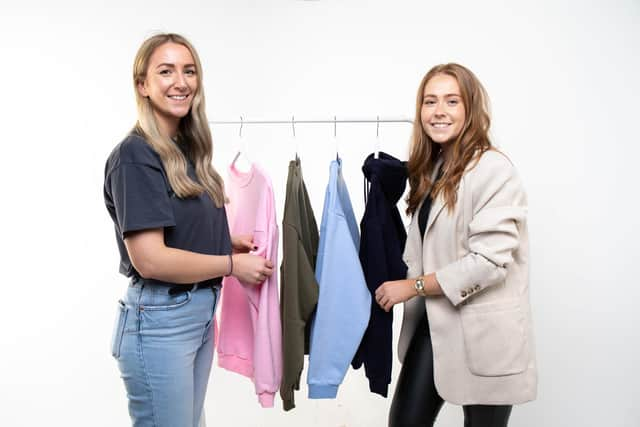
(494, 338)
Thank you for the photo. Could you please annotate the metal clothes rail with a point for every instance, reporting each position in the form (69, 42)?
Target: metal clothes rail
(295, 121)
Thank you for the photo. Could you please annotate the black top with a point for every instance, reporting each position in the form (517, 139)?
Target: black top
(423, 215)
(382, 241)
(138, 196)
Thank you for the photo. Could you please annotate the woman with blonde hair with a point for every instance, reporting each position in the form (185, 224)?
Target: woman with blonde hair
(167, 205)
(466, 333)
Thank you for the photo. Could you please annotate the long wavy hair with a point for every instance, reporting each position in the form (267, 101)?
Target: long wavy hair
(193, 135)
(472, 141)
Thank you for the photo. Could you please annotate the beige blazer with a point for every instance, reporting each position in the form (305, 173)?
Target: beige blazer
(481, 329)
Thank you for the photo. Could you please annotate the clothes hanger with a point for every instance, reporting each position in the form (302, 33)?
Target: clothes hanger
(293, 129)
(241, 152)
(377, 151)
(335, 138)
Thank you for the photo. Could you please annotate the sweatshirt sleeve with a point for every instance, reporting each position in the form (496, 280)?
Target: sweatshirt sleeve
(375, 350)
(498, 207)
(268, 334)
(343, 309)
(299, 291)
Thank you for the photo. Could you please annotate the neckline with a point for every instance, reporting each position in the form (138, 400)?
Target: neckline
(241, 178)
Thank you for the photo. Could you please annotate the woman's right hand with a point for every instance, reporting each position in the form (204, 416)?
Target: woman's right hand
(251, 269)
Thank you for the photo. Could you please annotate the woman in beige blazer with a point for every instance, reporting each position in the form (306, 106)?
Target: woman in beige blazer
(466, 333)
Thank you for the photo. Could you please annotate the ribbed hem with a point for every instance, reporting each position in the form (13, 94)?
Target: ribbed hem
(266, 399)
(322, 391)
(234, 363)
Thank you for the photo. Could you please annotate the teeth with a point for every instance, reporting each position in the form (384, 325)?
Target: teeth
(178, 97)
(440, 125)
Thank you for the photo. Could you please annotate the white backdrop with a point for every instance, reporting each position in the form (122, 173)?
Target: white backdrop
(563, 80)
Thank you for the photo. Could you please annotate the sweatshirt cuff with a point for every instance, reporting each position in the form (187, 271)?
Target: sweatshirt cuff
(380, 387)
(322, 391)
(266, 399)
(288, 404)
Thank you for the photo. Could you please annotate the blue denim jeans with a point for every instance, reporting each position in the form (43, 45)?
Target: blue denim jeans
(164, 347)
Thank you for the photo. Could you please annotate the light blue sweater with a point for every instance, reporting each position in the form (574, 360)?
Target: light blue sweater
(344, 302)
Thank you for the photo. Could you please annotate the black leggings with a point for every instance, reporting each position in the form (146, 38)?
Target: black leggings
(416, 401)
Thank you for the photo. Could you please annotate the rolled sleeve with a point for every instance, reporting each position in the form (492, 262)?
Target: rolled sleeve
(499, 205)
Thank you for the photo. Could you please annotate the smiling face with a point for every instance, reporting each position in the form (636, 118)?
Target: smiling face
(442, 114)
(170, 84)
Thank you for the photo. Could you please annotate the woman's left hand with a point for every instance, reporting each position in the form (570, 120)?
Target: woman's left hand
(391, 293)
(242, 244)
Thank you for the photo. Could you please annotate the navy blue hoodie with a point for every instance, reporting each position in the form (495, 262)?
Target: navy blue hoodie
(382, 241)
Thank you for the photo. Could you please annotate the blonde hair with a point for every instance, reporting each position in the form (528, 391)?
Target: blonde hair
(472, 141)
(193, 131)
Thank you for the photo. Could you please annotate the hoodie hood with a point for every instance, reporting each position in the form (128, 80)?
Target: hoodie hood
(389, 173)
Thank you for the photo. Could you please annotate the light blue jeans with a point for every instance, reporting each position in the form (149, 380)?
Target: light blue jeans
(164, 347)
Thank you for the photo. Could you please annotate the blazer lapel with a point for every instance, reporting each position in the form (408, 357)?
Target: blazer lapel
(413, 247)
(436, 208)
(438, 203)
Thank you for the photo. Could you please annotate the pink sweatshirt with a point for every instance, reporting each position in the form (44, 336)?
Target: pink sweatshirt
(250, 336)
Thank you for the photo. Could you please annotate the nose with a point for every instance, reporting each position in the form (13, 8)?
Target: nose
(439, 110)
(180, 82)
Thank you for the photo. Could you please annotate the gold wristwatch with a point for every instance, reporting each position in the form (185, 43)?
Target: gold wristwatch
(419, 285)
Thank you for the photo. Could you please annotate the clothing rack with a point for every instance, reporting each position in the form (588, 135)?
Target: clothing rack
(293, 122)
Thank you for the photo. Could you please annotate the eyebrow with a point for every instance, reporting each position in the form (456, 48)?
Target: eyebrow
(166, 64)
(446, 95)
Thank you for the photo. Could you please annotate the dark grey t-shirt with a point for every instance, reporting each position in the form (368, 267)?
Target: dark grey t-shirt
(138, 197)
